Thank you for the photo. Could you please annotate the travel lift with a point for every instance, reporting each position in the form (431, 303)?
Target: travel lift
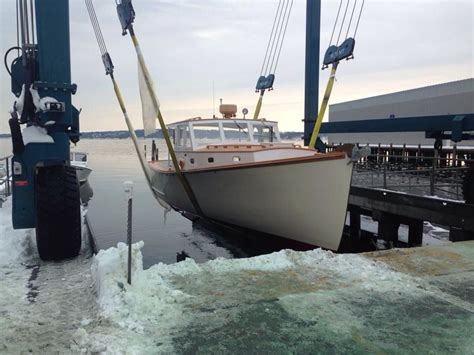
(44, 185)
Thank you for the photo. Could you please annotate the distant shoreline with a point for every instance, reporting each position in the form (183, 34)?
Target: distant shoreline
(158, 135)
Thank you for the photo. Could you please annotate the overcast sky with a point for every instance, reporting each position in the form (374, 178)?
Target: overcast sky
(191, 44)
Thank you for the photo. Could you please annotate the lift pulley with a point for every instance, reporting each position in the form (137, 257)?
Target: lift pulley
(334, 54)
(272, 53)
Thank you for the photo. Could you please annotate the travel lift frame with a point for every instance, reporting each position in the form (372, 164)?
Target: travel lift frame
(44, 185)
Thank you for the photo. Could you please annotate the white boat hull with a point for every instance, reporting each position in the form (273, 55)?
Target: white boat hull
(304, 201)
(82, 173)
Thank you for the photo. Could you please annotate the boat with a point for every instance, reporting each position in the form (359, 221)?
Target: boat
(244, 175)
(79, 162)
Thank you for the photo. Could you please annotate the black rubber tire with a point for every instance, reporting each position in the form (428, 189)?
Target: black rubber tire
(468, 185)
(58, 213)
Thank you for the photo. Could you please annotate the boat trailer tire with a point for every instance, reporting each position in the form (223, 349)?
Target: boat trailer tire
(58, 213)
(468, 185)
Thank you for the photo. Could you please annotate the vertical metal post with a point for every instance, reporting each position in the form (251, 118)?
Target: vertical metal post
(128, 188)
(433, 170)
(8, 177)
(311, 102)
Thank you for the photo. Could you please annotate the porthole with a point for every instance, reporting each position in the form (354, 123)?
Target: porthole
(210, 160)
(191, 160)
(236, 158)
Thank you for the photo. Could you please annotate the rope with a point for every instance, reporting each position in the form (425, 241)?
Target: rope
(350, 21)
(335, 23)
(360, 14)
(283, 38)
(342, 24)
(271, 36)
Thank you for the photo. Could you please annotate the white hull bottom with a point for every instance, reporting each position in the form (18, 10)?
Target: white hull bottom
(305, 202)
(82, 173)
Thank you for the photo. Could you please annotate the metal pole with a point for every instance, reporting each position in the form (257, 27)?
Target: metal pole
(128, 188)
(311, 102)
(8, 177)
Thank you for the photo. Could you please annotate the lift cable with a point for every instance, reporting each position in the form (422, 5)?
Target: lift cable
(109, 69)
(335, 54)
(350, 20)
(342, 24)
(283, 38)
(279, 43)
(274, 39)
(269, 40)
(272, 54)
(358, 20)
(335, 23)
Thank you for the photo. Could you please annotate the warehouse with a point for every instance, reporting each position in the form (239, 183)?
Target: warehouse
(455, 97)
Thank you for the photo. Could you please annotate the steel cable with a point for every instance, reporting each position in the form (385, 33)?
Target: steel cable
(279, 35)
(360, 14)
(96, 27)
(335, 23)
(274, 38)
(342, 24)
(283, 37)
(350, 21)
(271, 36)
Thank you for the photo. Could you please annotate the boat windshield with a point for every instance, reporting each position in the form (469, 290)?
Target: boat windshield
(264, 134)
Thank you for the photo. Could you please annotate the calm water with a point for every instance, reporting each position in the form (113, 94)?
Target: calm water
(114, 161)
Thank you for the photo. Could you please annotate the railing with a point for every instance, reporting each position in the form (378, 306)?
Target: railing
(434, 175)
(5, 175)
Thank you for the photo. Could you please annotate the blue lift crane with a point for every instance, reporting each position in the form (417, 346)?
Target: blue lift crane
(45, 187)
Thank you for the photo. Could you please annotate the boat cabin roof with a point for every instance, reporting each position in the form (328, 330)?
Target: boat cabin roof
(196, 133)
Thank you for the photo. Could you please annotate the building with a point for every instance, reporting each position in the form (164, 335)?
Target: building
(455, 97)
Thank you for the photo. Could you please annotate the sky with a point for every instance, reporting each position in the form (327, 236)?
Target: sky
(199, 51)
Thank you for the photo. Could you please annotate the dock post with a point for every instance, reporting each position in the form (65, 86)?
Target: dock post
(415, 233)
(354, 219)
(388, 226)
(128, 188)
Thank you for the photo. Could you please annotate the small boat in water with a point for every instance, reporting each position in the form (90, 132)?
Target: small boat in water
(243, 175)
(79, 162)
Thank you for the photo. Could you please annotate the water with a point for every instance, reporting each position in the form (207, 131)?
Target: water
(114, 161)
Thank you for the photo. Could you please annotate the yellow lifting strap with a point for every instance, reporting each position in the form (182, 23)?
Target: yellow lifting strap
(177, 168)
(118, 94)
(324, 105)
(259, 105)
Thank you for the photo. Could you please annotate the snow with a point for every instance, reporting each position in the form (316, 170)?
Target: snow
(285, 302)
(35, 134)
(15, 245)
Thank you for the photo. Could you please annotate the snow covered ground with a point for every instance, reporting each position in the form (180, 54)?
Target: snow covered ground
(398, 301)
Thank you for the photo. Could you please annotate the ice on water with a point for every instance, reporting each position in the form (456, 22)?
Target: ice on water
(397, 301)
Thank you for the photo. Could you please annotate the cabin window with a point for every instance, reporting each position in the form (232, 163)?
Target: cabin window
(206, 134)
(264, 134)
(236, 158)
(210, 160)
(236, 131)
(191, 160)
(183, 140)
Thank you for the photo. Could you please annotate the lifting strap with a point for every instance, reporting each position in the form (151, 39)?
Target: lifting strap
(182, 178)
(324, 105)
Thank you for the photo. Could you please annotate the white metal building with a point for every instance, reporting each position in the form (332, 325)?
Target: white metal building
(455, 97)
